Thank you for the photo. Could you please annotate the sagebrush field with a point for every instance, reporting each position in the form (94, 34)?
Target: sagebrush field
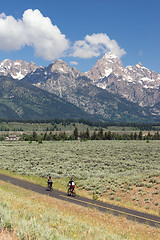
(31, 216)
(127, 172)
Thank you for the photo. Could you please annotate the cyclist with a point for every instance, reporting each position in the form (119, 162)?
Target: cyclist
(50, 182)
(71, 184)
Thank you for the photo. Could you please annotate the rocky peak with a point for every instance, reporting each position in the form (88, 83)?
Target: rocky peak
(110, 57)
(136, 83)
(63, 69)
(108, 64)
(139, 64)
(57, 78)
(76, 72)
(18, 69)
(138, 68)
(59, 66)
(144, 76)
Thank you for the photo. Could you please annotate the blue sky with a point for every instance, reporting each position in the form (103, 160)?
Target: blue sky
(80, 32)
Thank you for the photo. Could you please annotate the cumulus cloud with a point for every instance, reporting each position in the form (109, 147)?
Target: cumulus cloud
(32, 30)
(94, 45)
(73, 63)
(48, 42)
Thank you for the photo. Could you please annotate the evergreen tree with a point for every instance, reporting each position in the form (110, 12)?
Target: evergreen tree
(140, 135)
(87, 134)
(109, 135)
(94, 136)
(100, 134)
(75, 133)
(34, 136)
(157, 136)
(148, 136)
(135, 136)
(45, 136)
(131, 136)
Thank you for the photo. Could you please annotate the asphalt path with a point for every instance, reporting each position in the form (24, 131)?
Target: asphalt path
(133, 215)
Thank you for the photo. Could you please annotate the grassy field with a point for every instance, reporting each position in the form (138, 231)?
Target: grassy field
(20, 128)
(122, 172)
(31, 216)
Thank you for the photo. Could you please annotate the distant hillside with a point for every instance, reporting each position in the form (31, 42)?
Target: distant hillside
(19, 100)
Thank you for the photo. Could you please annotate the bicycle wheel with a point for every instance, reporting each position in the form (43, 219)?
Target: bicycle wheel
(69, 192)
(74, 193)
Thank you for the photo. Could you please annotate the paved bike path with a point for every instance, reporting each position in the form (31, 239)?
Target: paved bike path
(133, 215)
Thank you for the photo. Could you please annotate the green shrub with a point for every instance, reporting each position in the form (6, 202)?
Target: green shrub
(124, 190)
(118, 199)
(155, 192)
(148, 185)
(111, 198)
(147, 207)
(153, 180)
(95, 197)
(141, 184)
(112, 193)
(140, 190)
(134, 198)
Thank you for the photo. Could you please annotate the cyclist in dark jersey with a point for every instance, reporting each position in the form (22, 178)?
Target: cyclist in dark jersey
(50, 182)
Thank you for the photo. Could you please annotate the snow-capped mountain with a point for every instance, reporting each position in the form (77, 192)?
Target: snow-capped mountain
(107, 90)
(73, 86)
(17, 69)
(144, 76)
(136, 83)
(57, 78)
(104, 67)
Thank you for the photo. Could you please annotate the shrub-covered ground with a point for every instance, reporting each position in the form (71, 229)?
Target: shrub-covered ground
(31, 216)
(121, 171)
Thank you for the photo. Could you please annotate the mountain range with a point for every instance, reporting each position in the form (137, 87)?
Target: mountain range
(17, 69)
(20, 100)
(108, 92)
(135, 83)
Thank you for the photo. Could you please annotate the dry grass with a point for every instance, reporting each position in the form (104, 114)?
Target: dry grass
(80, 215)
(6, 235)
(118, 225)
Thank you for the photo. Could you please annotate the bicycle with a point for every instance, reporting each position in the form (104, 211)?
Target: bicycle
(49, 186)
(71, 192)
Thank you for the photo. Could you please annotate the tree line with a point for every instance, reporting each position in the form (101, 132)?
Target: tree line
(87, 135)
(141, 126)
(108, 135)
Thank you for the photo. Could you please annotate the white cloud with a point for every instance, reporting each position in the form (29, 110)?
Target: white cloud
(33, 30)
(94, 45)
(74, 63)
(37, 31)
